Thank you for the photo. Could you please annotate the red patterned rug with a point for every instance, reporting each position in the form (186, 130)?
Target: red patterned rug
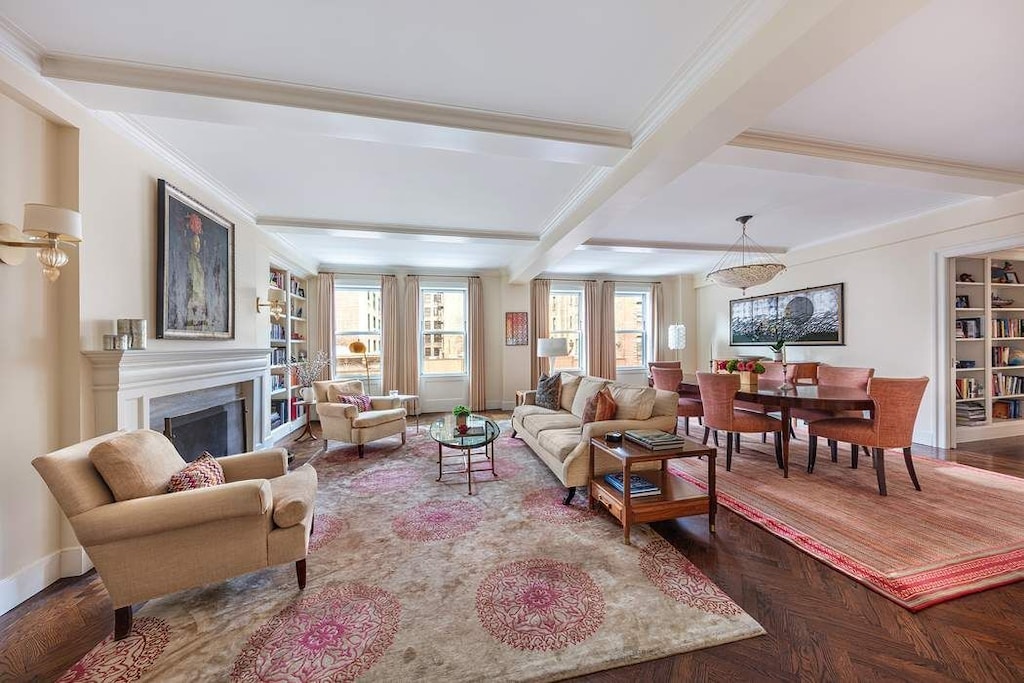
(961, 534)
(411, 579)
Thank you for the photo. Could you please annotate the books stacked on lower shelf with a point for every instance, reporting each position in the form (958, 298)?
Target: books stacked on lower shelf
(972, 413)
(655, 439)
(638, 486)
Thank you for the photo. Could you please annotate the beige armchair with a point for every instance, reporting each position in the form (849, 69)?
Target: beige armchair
(344, 422)
(145, 543)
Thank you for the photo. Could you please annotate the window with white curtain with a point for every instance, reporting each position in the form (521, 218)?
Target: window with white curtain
(443, 315)
(357, 317)
(565, 309)
(632, 329)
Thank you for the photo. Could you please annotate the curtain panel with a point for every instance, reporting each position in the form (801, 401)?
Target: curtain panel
(477, 373)
(659, 334)
(540, 300)
(390, 333)
(324, 338)
(411, 338)
(592, 316)
(606, 333)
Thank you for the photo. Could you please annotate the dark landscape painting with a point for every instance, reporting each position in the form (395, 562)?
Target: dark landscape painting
(807, 317)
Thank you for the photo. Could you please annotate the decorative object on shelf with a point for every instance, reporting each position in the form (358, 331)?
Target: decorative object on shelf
(460, 412)
(116, 342)
(359, 347)
(1016, 357)
(307, 370)
(741, 266)
(965, 277)
(748, 371)
(44, 229)
(963, 301)
(195, 267)
(968, 328)
(807, 317)
(778, 350)
(516, 331)
(966, 364)
(1000, 274)
(1000, 302)
(136, 329)
(677, 337)
(275, 306)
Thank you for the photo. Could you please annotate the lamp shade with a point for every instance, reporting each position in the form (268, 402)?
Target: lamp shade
(551, 347)
(677, 337)
(42, 220)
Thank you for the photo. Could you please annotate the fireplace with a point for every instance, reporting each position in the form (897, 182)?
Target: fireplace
(219, 430)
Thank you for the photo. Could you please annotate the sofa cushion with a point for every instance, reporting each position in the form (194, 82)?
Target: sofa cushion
(136, 464)
(600, 407)
(202, 472)
(362, 402)
(372, 418)
(336, 389)
(549, 392)
(570, 383)
(589, 386)
(633, 403)
(559, 442)
(535, 424)
(294, 494)
(523, 412)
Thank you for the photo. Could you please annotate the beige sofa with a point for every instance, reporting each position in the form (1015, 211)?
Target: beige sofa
(563, 443)
(343, 422)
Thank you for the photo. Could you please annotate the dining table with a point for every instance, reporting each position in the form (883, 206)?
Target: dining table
(813, 396)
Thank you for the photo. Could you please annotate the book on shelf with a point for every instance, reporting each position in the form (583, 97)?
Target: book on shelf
(971, 413)
(655, 439)
(638, 486)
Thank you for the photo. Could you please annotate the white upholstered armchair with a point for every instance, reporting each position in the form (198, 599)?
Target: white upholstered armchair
(345, 422)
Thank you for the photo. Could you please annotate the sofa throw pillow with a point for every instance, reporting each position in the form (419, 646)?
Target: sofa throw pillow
(588, 387)
(136, 464)
(549, 392)
(634, 403)
(362, 402)
(600, 407)
(570, 383)
(202, 472)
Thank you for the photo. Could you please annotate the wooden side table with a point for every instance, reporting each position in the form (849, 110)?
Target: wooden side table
(307, 428)
(411, 401)
(678, 498)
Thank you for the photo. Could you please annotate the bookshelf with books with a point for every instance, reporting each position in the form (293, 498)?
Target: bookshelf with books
(987, 340)
(288, 340)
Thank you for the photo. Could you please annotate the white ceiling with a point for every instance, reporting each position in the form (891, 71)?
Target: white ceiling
(604, 166)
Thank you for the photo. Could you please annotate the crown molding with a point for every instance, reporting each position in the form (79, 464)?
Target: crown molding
(20, 46)
(286, 225)
(143, 136)
(228, 86)
(653, 245)
(829, 149)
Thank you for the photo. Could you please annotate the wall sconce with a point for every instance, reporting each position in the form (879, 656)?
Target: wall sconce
(276, 307)
(45, 228)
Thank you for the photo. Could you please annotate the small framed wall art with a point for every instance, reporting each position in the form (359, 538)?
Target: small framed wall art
(516, 329)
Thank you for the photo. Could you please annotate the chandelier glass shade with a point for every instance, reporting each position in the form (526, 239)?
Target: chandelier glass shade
(745, 264)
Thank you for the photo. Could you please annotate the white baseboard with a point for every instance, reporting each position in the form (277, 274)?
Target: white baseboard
(22, 585)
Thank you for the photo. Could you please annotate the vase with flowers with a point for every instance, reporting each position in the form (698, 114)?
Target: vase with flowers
(748, 371)
(305, 371)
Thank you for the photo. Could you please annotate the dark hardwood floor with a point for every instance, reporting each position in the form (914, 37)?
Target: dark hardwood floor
(821, 625)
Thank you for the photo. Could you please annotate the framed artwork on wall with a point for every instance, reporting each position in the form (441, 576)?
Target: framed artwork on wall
(195, 268)
(807, 317)
(516, 329)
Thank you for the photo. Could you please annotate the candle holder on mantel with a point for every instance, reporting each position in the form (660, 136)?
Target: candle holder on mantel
(786, 384)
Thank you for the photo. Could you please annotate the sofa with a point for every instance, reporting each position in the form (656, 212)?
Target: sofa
(562, 442)
(344, 422)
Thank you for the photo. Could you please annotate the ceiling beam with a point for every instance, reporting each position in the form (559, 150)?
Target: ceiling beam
(230, 87)
(803, 41)
(303, 226)
(655, 246)
(798, 154)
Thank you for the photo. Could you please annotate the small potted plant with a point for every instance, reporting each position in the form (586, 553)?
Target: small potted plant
(460, 412)
(777, 350)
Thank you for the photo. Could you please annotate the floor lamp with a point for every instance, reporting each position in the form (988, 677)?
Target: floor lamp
(552, 347)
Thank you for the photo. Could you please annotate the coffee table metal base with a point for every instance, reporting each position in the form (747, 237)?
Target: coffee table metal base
(465, 459)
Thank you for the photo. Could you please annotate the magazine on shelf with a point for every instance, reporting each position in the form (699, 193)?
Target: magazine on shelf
(638, 486)
(655, 439)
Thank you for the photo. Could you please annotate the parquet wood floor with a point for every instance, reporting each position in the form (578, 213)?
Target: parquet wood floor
(821, 625)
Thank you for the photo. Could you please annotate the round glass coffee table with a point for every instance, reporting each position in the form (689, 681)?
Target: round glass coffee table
(481, 433)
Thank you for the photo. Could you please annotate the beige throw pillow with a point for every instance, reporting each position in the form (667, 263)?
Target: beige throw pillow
(570, 383)
(633, 403)
(588, 387)
(136, 464)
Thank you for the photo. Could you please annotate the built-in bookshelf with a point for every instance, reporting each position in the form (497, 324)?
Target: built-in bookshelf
(289, 334)
(987, 338)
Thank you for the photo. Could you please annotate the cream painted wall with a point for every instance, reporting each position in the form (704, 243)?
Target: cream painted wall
(894, 304)
(29, 519)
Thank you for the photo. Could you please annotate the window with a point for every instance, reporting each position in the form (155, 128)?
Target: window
(566, 312)
(631, 335)
(444, 347)
(357, 317)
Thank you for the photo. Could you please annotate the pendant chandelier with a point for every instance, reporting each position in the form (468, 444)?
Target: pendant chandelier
(745, 264)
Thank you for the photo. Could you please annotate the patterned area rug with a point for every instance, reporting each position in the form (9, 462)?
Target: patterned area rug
(411, 579)
(961, 534)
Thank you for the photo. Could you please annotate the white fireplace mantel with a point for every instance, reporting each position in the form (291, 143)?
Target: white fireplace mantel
(124, 382)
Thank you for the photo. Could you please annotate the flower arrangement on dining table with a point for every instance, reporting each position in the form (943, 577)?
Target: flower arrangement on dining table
(747, 369)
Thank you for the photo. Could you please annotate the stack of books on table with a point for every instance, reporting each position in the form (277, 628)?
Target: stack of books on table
(655, 439)
(638, 486)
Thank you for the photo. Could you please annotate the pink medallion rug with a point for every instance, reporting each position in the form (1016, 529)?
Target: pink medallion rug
(411, 579)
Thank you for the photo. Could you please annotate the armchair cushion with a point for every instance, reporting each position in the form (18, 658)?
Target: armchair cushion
(373, 418)
(136, 464)
(256, 465)
(202, 472)
(294, 495)
(336, 389)
(360, 401)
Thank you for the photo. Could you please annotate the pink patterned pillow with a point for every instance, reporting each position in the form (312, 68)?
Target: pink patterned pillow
(202, 472)
(360, 401)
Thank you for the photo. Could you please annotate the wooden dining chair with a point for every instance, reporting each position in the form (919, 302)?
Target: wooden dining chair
(718, 395)
(669, 379)
(836, 376)
(897, 401)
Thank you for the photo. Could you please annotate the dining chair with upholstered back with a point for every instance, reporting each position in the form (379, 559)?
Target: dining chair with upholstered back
(669, 379)
(771, 378)
(718, 396)
(897, 401)
(836, 376)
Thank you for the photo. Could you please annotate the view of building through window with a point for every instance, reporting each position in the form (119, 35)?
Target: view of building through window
(565, 309)
(357, 317)
(443, 339)
(630, 329)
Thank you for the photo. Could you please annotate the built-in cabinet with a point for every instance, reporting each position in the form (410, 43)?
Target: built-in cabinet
(289, 339)
(987, 340)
